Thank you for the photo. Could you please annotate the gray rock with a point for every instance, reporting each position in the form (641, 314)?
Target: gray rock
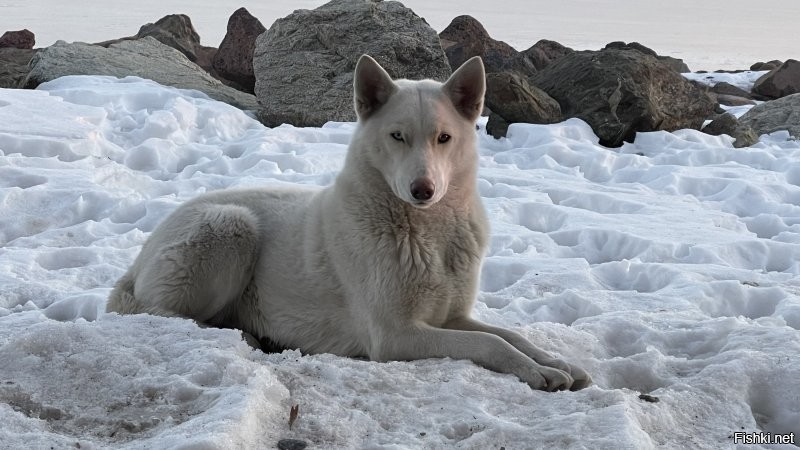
(292, 444)
(304, 63)
(780, 82)
(14, 66)
(234, 59)
(465, 37)
(775, 115)
(512, 99)
(542, 53)
(176, 31)
(727, 124)
(622, 92)
(734, 100)
(145, 58)
(724, 88)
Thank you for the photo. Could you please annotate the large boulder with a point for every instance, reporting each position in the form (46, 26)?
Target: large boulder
(234, 58)
(542, 53)
(22, 39)
(512, 99)
(775, 115)
(621, 92)
(769, 65)
(780, 82)
(145, 58)
(304, 63)
(465, 37)
(14, 66)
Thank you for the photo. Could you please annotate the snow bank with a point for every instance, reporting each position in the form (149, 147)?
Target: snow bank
(668, 267)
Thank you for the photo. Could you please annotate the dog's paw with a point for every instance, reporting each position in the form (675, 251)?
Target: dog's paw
(580, 377)
(548, 379)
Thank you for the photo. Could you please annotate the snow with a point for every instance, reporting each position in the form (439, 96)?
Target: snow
(668, 267)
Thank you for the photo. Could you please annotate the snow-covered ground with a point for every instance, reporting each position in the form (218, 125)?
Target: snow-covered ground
(708, 35)
(669, 267)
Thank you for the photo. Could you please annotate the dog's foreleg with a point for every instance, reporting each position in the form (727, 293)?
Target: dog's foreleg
(580, 377)
(485, 349)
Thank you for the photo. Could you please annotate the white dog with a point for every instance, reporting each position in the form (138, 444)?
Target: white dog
(384, 263)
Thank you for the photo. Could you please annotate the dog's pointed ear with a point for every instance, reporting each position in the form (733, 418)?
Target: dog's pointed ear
(372, 87)
(466, 88)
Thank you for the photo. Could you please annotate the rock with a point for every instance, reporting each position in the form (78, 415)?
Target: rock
(234, 59)
(146, 58)
(775, 115)
(292, 444)
(780, 82)
(511, 98)
(14, 66)
(727, 124)
(725, 88)
(542, 53)
(465, 37)
(22, 39)
(675, 64)
(622, 92)
(734, 100)
(176, 31)
(759, 66)
(304, 63)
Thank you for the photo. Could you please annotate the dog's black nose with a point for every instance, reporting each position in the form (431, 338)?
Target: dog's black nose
(422, 189)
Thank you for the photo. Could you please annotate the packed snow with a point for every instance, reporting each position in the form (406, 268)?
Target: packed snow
(669, 267)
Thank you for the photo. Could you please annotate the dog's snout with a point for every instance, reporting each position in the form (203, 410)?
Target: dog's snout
(422, 189)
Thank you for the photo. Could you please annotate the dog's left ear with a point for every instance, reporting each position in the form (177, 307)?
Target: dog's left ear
(372, 87)
(466, 88)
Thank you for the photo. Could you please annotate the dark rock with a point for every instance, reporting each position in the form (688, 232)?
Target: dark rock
(622, 92)
(769, 65)
(729, 89)
(675, 64)
(304, 63)
(780, 82)
(465, 37)
(14, 66)
(775, 115)
(542, 53)
(292, 444)
(234, 59)
(22, 39)
(146, 58)
(727, 124)
(734, 100)
(512, 99)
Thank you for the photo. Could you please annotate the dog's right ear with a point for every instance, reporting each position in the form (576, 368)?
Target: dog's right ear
(372, 87)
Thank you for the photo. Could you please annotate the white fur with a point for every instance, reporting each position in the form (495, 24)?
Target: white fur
(364, 267)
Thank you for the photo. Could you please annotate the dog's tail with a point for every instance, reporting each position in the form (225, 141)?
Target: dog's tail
(122, 299)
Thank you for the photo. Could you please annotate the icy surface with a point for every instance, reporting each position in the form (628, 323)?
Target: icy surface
(668, 267)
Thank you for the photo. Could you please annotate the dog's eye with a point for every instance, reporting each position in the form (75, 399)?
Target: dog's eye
(397, 136)
(444, 137)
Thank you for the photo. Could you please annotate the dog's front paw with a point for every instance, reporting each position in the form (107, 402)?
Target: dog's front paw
(549, 379)
(580, 377)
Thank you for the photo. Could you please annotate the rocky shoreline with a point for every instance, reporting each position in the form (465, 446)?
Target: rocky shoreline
(299, 71)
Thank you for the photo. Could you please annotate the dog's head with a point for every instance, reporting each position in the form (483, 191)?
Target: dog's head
(419, 134)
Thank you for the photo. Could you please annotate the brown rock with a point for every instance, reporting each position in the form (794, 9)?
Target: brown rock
(780, 82)
(675, 64)
(769, 65)
(465, 37)
(728, 124)
(22, 39)
(234, 59)
(511, 98)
